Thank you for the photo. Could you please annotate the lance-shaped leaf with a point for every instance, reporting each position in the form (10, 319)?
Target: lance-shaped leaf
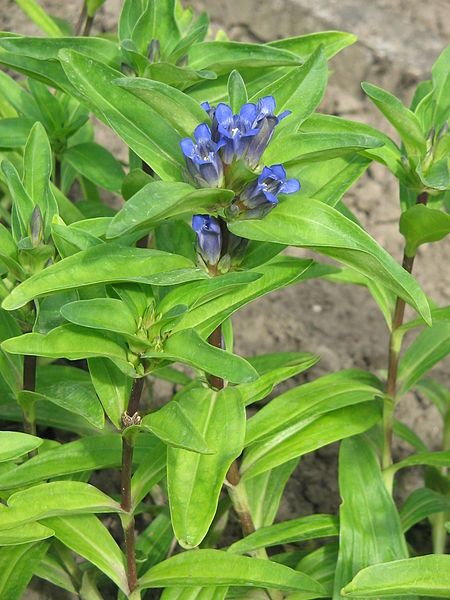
(299, 148)
(24, 534)
(179, 109)
(433, 459)
(320, 564)
(308, 435)
(370, 528)
(14, 131)
(195, 593)
(86, 454)
(295, 530)
(213, 567)
(237, 92)
(173, 425)
(309, 223)
(421, 225)
(311, 399)
(428, 576)
(50, 569)
(405, 121)
(139, 125)
(161, 200)
(194, 480)
(109, 314)
(304, 45)
(273, 369)
(71, 342)
(188, 347)
(430, 346)
(300, 90)
(264, 492)
(422, 503)
(53, 499)
(87, 536)
(47, 49)
(38, 15)
(224, 56)
(113, 388)
(105, 264)
(387, 152)
(14, 444)
(274, 275)
(96, 164)
(17, 566)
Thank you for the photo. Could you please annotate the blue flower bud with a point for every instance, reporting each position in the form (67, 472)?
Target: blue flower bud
(265, 122)
(209, 237)
(259, 197)
(202, 160)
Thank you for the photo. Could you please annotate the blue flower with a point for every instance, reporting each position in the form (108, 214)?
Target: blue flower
(258, 198)
(202, 159)
(265, 122)
(234, 131)
(209, 237)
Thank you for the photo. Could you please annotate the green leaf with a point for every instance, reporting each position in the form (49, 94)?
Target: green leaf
(304, 45)
(213, 567)
(93, 6)
(18, 98)
(224, 56)
(387, 153)
(428, 576)
(421, 225)
(264, 493)
(113, 388)
(436, 392)
(421, 504)
(139, 125)
(405, 122)
(188, 347)
(22, 203)
(273, 369)
(296, 530)
(434, 459)
(53, 499)
(51, 570)
(315, 225)
(109, 314)
(87, 536)
(327, 393)
(365, 499)
(71, 342)
(430, 346)
(14, 131)
(24, 534)
(44, 49)
(194, 481)
(17, 566)
(155, 541)
(308, 435)
(172, 424)
(441, 89)
(161, 200)
(86, 454)
(298, 148)
(38, 15)
(320, 565)
(14, 444)
(177, 108)
(237, 92)
(278, 273)
(96, 164)
(104, 264)
(301, 90)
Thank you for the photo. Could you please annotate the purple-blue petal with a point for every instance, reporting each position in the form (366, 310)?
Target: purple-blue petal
(202, 133)
(224, 114)
(290, 186)
(187, 147)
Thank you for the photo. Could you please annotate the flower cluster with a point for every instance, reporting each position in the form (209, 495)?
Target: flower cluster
(212, 155)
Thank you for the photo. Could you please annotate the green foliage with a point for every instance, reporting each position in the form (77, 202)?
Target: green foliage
(119, 347)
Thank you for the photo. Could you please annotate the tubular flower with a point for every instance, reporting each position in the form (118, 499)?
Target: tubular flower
(259, 197)
(265, 122)
(235, 131)
(209, 237)
(202, 160)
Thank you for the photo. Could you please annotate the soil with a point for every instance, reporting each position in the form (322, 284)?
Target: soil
(398, 42)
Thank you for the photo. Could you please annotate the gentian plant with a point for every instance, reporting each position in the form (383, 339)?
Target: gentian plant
(111, 488)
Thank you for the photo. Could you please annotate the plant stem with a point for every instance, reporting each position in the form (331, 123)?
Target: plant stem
(29, 384)
(57, 174)
(84, 23)
(88, 26)
(393, 361)
(127, 460)
(439, 531)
